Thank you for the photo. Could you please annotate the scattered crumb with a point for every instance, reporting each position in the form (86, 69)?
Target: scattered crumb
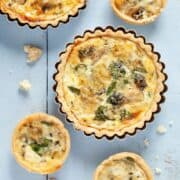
(171, 123)
(146, 142)
(25, 85)
(33, 53)
(158, 171)
(161, 129)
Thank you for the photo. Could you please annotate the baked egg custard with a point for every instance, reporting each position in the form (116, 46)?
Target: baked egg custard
(109, 82)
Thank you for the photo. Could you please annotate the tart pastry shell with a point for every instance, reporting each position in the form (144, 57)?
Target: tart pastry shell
(130, 20)
(42, 24)
(162, 88)
(28, 166)
(138, 159)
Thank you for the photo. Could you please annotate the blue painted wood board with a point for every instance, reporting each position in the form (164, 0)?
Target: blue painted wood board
(86, 152)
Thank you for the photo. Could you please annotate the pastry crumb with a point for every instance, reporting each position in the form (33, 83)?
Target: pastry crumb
(33, 53)
(161, 129)
(25, 85)
(158, 171)
(146, 142)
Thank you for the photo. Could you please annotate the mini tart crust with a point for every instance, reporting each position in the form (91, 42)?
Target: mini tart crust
(22, 20)
(50, 168)
(158, 97)
(138, 159)
(130, 20)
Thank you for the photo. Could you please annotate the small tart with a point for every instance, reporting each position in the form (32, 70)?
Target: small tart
(41, 12)
(109, 82)
(41, 143)
(138, 12)
(123, 166)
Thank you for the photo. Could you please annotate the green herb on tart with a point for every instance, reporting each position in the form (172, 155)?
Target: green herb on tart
(111, 87)
(116, 69)
(101, 113)
(74, 90)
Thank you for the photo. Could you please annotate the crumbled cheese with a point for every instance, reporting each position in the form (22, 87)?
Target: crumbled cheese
(146, 142)
(25, 85)
(161, 129)
(31, 155)
(171, 123)
(158, 171)
(33, 53)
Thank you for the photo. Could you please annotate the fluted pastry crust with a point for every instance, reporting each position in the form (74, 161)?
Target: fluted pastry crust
(41, 13)
(109, 82)
(124, 166)
(138, 12)
(41, 143)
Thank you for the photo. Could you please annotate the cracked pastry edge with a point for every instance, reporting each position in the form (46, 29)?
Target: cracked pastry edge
(130, 20)
(25, 85)
(59, 84)
(33, 53)
(43, 24)
(138, 159)
(40, 116)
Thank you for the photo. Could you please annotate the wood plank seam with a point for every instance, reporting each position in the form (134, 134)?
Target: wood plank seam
(47, 73)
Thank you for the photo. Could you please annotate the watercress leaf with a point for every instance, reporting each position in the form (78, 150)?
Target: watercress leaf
(117, 70)
(74, 90)
(80, 66)
(100, 113)
(111, 87)
(125, 114)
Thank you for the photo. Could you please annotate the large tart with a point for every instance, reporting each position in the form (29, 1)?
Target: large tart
(109, 82)
(123, 166)
(41, 12)
(41, 144)
(138, 11)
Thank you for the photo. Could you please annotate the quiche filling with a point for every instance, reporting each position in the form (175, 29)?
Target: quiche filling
(109, 82)
(40, 10)
(41, 143)
(139, 9)
(125, 169)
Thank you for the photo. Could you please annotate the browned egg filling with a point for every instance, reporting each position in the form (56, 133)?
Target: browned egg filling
(123, 169)
(41, 8)
(40, 141)
(109, 82)
(139, 9)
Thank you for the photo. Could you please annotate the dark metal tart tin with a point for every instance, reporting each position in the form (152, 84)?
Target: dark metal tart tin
(44, 28)
(162, 71)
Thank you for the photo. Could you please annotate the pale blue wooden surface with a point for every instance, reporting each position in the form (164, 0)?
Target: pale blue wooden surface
(15, 105)
(86, 152)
